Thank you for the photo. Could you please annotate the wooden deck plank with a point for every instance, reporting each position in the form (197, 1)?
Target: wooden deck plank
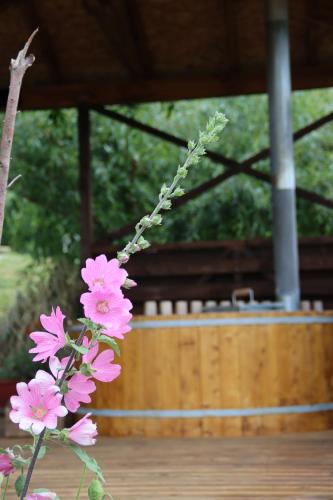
(297, 466)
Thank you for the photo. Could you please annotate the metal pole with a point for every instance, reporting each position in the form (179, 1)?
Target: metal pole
(85, 181)
(283, 197)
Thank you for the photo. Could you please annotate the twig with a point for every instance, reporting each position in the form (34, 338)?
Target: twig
(42, 434)
(17, 69)
(14, 180)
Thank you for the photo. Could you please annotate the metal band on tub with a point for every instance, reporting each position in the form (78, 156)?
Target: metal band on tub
(218, 413)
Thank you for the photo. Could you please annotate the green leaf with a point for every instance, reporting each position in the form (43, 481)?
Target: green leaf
(95, 490)
(42, 452)
(111, 342)
(89, 461)
(1, 477)
(19, 485)
(19, 462)
(79, 348)
(89, 324)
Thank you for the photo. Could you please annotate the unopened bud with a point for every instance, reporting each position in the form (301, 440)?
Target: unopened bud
(156, 220)
(143, 243)
(166, 205)
(129, 283)
(122, 257)
(178, 191)
(190, 145)
(182, 172)
(146, 221)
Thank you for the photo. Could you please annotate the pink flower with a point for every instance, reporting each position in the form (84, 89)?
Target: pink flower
(101, 274)
(104, 307)
(119, 325)
(102, 367)
(49, 342)
(48, 495)
(83, 432)
(78, 386)
(6, 466)
(36, 407)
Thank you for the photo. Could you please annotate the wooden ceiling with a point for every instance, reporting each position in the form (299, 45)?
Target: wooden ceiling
(117, 51)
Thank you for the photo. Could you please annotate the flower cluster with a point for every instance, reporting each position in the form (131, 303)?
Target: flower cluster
(69, 380)
(105, 303)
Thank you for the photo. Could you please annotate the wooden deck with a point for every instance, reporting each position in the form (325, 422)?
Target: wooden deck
(289, 467)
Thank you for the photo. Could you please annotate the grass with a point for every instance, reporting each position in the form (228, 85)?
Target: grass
(11, 266)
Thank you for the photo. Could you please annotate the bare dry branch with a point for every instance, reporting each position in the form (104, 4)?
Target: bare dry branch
(17, 69)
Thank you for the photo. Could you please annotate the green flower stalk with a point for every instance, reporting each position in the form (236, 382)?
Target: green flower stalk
(195, 151)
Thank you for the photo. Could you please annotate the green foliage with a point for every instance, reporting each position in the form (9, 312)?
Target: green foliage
(111, 343)
(19, 485)
(45, 284)
(87, 460)
(129, 166)
(18, 364)
(12, 268)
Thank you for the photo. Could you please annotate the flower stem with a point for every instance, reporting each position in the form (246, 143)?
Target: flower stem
(83, 476)
(195, 150)
(5, 489)
(42, 434)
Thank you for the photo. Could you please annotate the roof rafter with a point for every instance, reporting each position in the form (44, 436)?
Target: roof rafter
(44, 41)
(120, 22)
(229, 13)
(171, 89)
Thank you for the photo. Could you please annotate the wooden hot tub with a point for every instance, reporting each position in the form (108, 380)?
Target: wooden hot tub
(221, 374)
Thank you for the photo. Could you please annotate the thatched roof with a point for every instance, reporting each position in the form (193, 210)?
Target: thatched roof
(112, 51)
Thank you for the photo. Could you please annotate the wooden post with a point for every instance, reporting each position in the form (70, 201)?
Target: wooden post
(282, 162)
(85, 180)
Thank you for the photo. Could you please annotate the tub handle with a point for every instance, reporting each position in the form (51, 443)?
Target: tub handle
(242, 292)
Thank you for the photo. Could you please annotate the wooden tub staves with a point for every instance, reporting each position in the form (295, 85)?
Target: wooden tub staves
(221, 375)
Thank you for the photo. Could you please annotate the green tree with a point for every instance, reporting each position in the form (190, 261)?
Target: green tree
(129, 166)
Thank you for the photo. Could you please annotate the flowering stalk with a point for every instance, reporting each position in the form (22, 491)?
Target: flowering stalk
(194, 151)
(48, 396)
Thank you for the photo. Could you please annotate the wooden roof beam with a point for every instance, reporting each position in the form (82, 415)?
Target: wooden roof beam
(139, 37)
(165, 89)
(46, 47)
(230, 23)
(119, 21)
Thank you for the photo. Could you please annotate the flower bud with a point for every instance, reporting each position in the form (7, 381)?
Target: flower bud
(166, 205)
(122, 257)
(96, 490)
(129, 283)
(143, 243)
(178, 191)
(156, 219)
(182, 172)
